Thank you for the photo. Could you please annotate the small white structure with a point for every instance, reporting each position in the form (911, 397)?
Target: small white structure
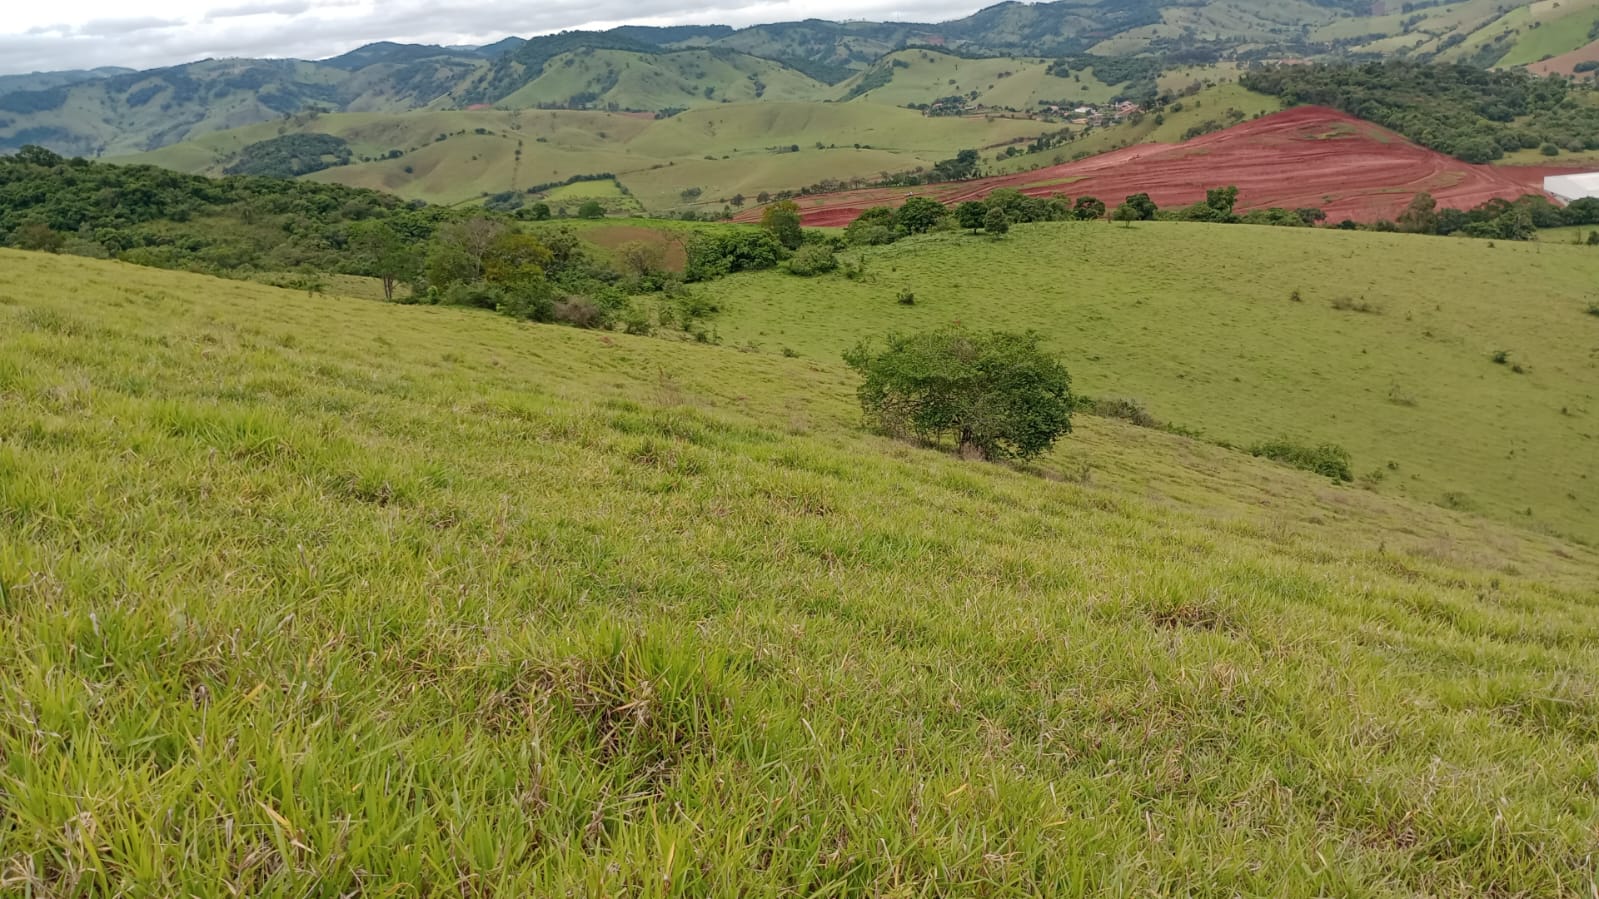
(1572, 187)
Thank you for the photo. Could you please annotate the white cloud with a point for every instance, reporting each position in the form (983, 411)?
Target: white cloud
(92, 33)
(246, 10)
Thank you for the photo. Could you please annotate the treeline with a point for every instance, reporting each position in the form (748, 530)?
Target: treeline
(1476, 115)
(1496, 219)
(254, 227)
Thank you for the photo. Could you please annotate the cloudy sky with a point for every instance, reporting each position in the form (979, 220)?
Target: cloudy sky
(40, 36)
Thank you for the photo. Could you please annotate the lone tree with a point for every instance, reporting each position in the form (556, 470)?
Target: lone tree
(1144, 206)
(998, 394)
(920, 214)
(995, 221)
(970, 215)
(1087, 209)
(381, 252)
(1127, 213)
(591, 209)
(783, 220)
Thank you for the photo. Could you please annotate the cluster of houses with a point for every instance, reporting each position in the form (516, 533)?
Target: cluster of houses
(1106, 114)
(1095, 115)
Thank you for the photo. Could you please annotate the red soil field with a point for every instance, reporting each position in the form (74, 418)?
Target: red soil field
(1306, 156)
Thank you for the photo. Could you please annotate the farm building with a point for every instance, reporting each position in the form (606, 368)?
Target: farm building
(1572, 187)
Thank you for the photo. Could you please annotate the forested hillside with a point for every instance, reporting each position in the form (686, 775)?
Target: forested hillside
(1475, 114)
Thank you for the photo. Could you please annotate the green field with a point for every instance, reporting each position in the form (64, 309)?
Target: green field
(1197, 322)
(723, 150)
(312, 595)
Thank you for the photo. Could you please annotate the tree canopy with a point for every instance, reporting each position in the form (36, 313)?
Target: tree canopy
(996, 394)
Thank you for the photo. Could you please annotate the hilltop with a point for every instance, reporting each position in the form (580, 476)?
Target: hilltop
(309, 593)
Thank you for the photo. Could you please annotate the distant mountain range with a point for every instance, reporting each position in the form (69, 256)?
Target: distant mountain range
(113, 111)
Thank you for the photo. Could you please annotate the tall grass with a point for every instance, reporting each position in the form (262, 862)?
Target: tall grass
(314, 596)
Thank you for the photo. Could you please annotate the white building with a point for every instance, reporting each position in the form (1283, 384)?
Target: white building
(1572, 187)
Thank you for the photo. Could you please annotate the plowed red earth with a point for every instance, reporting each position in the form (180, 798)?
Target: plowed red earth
(1306, 156)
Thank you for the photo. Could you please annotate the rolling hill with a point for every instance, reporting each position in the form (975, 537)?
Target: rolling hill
(312, 594)
(1381, 343)
(998, 53)
(143, 111)
(621, 79)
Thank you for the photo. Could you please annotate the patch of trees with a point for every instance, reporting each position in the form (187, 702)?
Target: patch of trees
(231, 226)
(291, 155)
(965, 165)
(713, 255)
(26, 102)
(1474, 114)
(879, 76)
(1496, 219)
(1139, 73)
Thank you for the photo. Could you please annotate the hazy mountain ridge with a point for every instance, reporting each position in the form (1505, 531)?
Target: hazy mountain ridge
(111, 112)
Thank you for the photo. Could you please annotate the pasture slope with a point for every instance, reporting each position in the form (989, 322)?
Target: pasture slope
(1388, 350)
(318, 596)
(1305, 156)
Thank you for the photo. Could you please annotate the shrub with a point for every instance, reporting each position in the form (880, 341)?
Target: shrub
(1501, 357)
(905, 298)
(812, 259)
(38, 236)
(476, 295)
(1593, 308)
(1345, 304)
(1327, 459)
(1124, 409)
(998, 394)
(580, 311)
(877, 225)
(636, 320)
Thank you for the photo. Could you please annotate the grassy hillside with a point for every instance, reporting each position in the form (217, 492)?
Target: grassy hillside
(653, 81)
(723, 149)
(1555, 27)
(1235, 22)
(922, 76)
(1220, 105)
(1198, 323)
(309, 594)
